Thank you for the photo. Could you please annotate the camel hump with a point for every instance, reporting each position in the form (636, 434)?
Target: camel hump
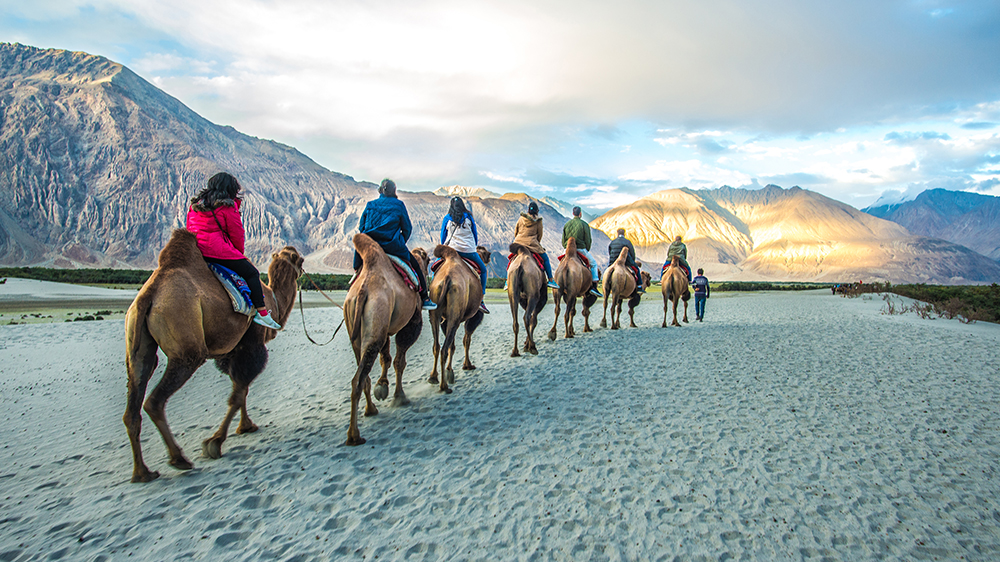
(516, 248)
(622, 257)
(446, 252)
(571, 246)
(368, 249)
(180, 251)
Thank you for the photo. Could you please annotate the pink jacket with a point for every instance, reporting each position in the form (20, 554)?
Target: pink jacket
(225, 243)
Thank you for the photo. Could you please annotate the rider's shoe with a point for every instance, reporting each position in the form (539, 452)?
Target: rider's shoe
(482, 306)
(641, 291)
(429, 305)
(266, 320)
(553, 285)
(595, 292)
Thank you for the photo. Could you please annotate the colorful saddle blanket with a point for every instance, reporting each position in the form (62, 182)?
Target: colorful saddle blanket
(236, 286)
(538, 260)
(436, 264)
(406, 272)
(583, 258)
(686, 270)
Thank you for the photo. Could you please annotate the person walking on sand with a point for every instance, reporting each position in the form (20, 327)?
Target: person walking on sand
(677, 248)
(528, 233)
(458, 230)
(214, 219)
(701, 292)
(615, 250)
(577, 228)
(386, 221)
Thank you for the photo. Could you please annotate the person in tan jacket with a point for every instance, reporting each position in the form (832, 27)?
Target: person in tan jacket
(528, 233)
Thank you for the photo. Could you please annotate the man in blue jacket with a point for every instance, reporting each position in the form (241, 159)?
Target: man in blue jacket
(386, 221)
(701, 292)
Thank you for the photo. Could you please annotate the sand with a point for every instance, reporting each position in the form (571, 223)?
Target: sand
(786, 426)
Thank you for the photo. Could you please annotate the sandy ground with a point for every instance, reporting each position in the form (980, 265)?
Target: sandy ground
(787, 426)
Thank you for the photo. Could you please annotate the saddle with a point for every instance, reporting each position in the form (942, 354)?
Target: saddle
(236, 287)
(438, 262)
(538, 260)
(582, 257)
(406, 272)
(687, 271)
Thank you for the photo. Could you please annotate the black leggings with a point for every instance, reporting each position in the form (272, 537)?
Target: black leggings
(249, 273)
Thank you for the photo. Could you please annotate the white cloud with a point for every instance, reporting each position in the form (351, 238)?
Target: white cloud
(688, 173)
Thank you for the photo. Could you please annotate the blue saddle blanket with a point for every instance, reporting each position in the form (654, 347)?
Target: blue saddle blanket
(236, 286)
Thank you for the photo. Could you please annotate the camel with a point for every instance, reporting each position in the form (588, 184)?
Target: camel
(675, 287)
(619, 285)
(379, 305)
(527, 287)
(183, 310)
(457, 292)
(573, 278)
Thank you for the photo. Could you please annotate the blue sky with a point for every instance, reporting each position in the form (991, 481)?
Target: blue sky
(593, 102)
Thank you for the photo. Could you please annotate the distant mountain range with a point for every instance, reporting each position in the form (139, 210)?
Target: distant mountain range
(97, 167)
(969, 219)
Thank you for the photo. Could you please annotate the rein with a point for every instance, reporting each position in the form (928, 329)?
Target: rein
(303, 313)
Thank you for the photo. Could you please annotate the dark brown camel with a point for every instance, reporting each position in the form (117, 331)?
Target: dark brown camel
(527, 288)
(379, 305)
(184, 310)
(674, 285)
(619, 285)
(457, 292)
(573, 278)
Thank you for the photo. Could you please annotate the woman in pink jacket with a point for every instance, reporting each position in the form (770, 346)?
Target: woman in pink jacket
(214, 218)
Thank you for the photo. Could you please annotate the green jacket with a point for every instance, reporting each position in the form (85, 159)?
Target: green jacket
(577, 228)
(677, 248)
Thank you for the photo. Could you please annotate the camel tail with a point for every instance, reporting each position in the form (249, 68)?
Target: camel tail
(359, 312)
(135, 324)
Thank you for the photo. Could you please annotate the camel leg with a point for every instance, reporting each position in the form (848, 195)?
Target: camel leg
(675, 322)
(243, 364)
(530, 323)
(178, 371)
(470, 326)
(586, 317)
(557, 293)
(435, 318)
(447, 353)
(382, 386)
(686, 311)
(517, 328)
(604, 320)
(632, 303)
(212, 447)
(666, 305)
(358, 385)
(568, 317)
(140, 366)
(404, 340)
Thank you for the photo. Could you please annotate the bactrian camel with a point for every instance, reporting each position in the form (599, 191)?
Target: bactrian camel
(573, 278)
(619, 285)
(674, 285)
(457, 291)
(527, 288)
(184, 311)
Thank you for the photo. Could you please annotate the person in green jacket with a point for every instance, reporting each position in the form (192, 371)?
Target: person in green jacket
(579, 229)
(679, 249)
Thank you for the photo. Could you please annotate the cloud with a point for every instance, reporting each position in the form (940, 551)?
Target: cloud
(688, 173)
(979, 125)
(908, 138)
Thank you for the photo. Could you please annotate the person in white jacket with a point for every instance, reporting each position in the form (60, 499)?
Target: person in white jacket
(458, 230)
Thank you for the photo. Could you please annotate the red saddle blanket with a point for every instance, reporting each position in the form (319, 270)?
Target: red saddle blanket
(583, 258)
(406, 278)
(538, 260)
(684, 269)
(436, 265)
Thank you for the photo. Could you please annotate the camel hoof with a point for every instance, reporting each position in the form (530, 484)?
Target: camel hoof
(249, 428)
(515, 353)
(552, 335)
(570, 336)
(355, 442)
(144, 476)
(434, 379)
(212, 448)
(451, 376)
(447, 390)
(533, 351)
(664, 325)
(468, 367)
(369, 412)
(400, 401)
(182, 463)
(587, 330)
(381, 392)
(604, 324)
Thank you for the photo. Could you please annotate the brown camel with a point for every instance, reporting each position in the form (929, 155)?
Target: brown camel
(527, 287)
(675, 287)
(573, 278)
(457, 292)
(619, 285)
(185, 311)
(379, 305)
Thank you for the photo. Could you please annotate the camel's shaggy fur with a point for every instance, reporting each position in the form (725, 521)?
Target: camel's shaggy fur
(674, 285)
(619, 285)
(526, 287)
(573, 278)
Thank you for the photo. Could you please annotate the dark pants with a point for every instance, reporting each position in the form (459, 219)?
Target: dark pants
(249, 273)
(474, 256)
(358, 262)
(699, 305)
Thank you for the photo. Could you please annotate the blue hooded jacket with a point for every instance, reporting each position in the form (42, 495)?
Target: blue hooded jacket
(385, 219)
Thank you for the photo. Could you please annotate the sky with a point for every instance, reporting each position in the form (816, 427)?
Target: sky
(593, 102)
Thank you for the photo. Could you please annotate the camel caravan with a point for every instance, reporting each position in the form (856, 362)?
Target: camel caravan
(205, 301)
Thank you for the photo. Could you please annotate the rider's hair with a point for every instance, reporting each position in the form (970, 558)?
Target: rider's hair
(577, 211)
(387, 188)
(621, 232)
(221, 190)
(533, 208)
(457, 210)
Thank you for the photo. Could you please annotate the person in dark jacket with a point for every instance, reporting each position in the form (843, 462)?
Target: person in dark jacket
(577, 228)
(615, 250)
(386, 221)
(701, 292)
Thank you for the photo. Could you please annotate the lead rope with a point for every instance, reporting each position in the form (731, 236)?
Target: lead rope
(303, 313)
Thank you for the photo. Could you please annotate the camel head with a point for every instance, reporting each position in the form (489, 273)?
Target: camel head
(291, 255)
(646, 278)
(422, 258)
(484, 254)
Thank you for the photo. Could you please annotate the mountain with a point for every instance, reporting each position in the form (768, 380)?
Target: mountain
(97, 167)
(463, 192)
(789, 234)
(969, 219)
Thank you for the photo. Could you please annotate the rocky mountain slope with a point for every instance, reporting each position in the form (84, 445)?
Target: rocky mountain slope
(776, 233)
(969, 219)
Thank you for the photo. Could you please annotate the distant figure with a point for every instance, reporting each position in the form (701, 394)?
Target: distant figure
(214, 219)
(615, 249)
(577, 228)
(701, 292)
(458, 230)
(528, 233)
(386, 221)
(677, 248)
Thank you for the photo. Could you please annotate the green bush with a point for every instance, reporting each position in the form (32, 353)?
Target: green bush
(968, 302)
(764, 286)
